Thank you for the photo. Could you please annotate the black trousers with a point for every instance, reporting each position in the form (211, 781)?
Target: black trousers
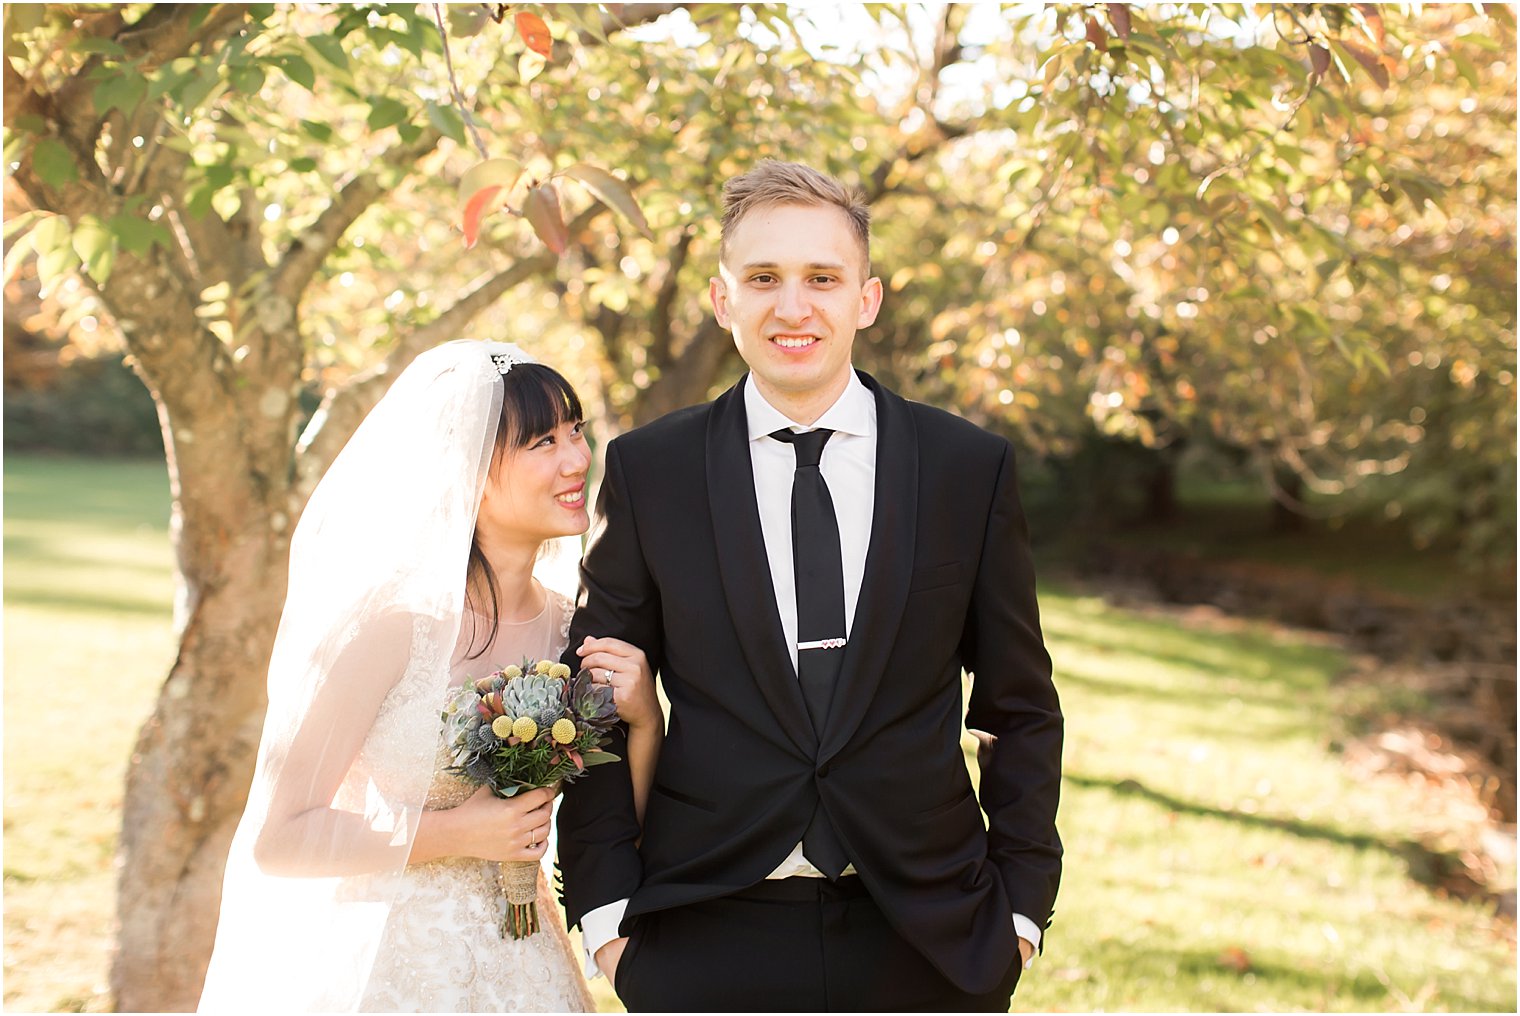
(793, 945)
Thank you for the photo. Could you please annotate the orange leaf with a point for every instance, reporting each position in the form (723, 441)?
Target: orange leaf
(1370, 62)
(534, 32)
(474, 209)
(542, 210)
(1235, 958)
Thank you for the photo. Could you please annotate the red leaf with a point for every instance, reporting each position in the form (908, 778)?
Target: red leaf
(534, 32)
(542, 210)
(575, 756)
(1118, 15)
(1096, 35)
(1319, 60)
(474, 209)
(484, 185)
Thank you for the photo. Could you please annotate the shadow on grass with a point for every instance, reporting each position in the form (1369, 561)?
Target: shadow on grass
(1345, 981)
(1180, 696)
(1426, 866)
(83, 602)
(1294, 669)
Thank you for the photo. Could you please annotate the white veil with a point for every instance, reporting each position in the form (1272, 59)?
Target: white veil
(376, 594)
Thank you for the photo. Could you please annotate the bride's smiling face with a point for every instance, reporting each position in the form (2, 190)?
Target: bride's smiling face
(538, 491)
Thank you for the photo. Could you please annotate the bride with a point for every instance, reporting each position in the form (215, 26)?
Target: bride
(363, 875)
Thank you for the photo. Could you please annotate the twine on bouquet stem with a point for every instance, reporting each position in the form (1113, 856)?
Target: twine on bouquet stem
(519, 883)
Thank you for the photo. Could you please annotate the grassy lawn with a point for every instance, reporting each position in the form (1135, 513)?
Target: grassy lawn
(1220, 856)
(88, 587)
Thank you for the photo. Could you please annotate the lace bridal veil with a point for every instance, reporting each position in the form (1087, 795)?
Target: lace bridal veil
(376, 595)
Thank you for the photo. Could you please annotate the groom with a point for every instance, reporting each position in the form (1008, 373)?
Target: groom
(809, 562)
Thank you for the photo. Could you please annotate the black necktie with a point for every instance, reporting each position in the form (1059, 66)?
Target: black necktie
(818, 570)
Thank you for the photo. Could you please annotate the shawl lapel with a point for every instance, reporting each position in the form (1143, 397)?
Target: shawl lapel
(745, 569)
(889, 569)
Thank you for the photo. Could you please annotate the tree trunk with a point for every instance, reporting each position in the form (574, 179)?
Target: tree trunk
(190, 772)
(1287, 501)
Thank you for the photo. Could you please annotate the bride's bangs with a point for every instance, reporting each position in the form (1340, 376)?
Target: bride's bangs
(537, 400)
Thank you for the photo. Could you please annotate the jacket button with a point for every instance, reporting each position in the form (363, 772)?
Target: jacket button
(823, 770)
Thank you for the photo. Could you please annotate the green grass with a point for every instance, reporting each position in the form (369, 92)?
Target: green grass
(88, 587)
(1220, 856)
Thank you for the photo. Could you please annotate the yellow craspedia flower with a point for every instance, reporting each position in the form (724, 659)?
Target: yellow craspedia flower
(525, 729)
(513, 671)
(502, 726)
(560, 671)
(542, 667)
(563, 731)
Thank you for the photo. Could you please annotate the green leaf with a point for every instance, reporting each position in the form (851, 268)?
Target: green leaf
(320, 131)
(330, 48)
(447, 120)
(385, 112)
(96, 247)
(298, 70)
(199, 202)
(137, 235)
(55, 265)
(199, 88)
(51, 234)
(613, 191)
(54, 162)
(303, 164)
(23, 18)
(408, 132)
(97, 44)
(122, 88)
(247, 79)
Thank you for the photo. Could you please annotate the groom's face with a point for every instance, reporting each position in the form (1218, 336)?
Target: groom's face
(792, 289)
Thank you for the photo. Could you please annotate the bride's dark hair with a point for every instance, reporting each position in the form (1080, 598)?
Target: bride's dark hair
(535, 400)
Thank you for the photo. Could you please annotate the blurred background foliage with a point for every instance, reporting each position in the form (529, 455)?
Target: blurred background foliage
(1277, 237)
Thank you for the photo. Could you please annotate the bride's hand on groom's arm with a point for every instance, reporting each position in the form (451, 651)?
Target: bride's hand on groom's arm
(486, 826)
(625, 669)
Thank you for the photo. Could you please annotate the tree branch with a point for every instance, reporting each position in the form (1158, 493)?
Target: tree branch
(660, 319)
(345, 406)
(304, 256)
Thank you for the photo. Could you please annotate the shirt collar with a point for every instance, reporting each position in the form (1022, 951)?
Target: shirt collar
(854, 412)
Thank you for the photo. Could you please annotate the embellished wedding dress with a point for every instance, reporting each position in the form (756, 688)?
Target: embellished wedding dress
(441, 950)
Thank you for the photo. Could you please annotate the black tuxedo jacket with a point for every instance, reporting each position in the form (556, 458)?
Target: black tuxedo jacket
(677, 566)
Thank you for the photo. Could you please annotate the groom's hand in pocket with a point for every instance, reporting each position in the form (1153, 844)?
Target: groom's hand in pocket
(609, 956)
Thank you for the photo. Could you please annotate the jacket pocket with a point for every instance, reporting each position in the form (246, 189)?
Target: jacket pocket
(940, 810)
(934, 577)
(690, 800)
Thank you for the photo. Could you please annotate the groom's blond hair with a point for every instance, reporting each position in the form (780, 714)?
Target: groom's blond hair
(773, 182)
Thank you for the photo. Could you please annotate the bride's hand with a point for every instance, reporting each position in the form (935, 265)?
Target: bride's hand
(501, 829)
(626, 670)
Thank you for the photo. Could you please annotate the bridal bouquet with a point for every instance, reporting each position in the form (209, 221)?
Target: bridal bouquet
(522, 728)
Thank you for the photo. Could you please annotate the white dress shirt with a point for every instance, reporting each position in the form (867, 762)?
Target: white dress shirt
(849, 468)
